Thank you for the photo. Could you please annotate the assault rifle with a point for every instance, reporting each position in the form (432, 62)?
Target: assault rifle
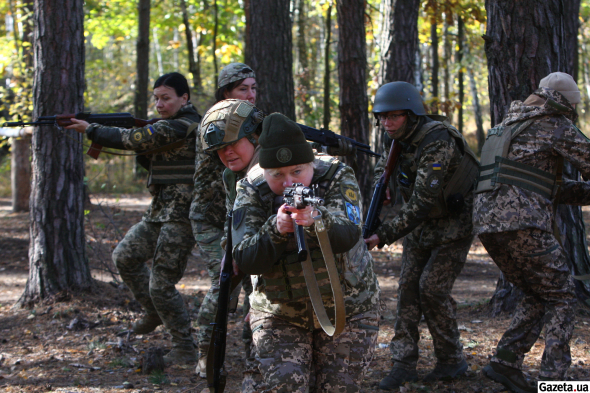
(216, 355)
(372, 222)
(123, 120)
(330, 138)
(299, 197)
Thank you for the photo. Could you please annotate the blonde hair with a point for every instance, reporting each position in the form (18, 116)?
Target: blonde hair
(274, 171)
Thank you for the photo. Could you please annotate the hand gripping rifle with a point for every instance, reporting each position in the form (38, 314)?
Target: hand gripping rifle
(299, 197)
(123, 120)
(372, 221)
(330, 138)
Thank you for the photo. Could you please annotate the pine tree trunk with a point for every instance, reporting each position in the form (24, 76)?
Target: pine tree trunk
(352, 65)
(193, 66)
(57, 251)
(20, 173)
(271, 56)
(461, 74)
(435, 65)
(142, 56)
(303, 74)
(524, 42)
(399, 45)
(327, 111)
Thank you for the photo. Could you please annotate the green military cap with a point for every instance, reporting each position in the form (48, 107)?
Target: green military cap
(234, 72)
(283, 143)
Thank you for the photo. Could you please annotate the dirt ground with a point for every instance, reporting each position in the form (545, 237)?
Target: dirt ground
(72, 343)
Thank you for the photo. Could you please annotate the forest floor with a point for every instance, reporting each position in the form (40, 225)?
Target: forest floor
(73, 343)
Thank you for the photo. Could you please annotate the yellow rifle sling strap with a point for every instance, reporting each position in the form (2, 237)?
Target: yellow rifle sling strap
(314, 290)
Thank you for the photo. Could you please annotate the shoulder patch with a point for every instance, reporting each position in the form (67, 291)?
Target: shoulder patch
(349, 193)
(353, 213)
(137, 136)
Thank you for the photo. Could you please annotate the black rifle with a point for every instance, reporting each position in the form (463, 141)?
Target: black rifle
(123, 120)
(330, 138)
(300, 196)
(372, 222)
(216, 355)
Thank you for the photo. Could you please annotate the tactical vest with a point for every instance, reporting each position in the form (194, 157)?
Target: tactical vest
(496, 169)
(458, 186)
(169, 169)
(285, 281)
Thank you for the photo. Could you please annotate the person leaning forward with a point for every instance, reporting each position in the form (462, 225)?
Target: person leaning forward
(514, 216)
(435, 176)
(294, 352)
(164, 233)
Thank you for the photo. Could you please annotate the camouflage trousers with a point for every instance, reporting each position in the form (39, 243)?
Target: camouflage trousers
(534, 261)
(208, 238)
(168, 245)
(425, 285)
(295, 359)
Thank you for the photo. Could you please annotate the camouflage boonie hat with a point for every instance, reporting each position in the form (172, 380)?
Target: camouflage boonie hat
(229, 121)
(234, 72)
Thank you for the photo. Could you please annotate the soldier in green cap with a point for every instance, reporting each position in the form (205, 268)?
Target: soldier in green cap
(294, 347)
(435, 176)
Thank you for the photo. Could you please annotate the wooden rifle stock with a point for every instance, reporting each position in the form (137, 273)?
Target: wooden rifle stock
(372, 221)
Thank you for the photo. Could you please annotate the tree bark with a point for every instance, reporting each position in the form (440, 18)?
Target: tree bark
(303, 74)
(142, 62)
(461, 75)
(435, 65)
(21, 173)
(57, 251)
(327, 113)
(271, 54)
(352, 65)
(399, 45)
(193, 66)
(524, 42)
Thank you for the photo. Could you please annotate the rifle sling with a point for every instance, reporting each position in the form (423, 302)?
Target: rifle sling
(314, 290)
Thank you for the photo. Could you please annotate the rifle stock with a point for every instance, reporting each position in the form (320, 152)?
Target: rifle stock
(372, 222)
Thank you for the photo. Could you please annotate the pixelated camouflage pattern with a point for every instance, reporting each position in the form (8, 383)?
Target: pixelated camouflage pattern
(258, 242)
(552, 134)
(426, 281)
(534, 261)
(295, 359)
(575, 193)
(234, 72)
(169, 244)
(208, 198)
(423, 191)
(169, 202)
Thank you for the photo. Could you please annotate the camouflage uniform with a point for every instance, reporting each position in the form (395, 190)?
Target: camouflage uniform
(164, 233)
(208, 215)
(516, 227)
(436, 242)
(295, 355)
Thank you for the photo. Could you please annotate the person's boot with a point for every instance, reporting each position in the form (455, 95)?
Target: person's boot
(147, 324)
(181, 355)
(446, 371)
(397, 377)
(201, 369)
(511, 378)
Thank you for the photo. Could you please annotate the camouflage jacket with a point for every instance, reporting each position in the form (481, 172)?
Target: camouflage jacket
(420, 178)
(551, 134)
(260, 250)
(170, 202)
(208, 199)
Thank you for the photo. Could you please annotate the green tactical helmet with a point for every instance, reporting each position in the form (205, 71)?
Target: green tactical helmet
(395, 96)
(229, 121)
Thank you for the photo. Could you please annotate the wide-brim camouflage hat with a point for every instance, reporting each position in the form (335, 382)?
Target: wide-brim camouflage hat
(234, 72)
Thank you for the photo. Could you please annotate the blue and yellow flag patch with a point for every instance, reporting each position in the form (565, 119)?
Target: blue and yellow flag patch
(436, 167)
(150, 130)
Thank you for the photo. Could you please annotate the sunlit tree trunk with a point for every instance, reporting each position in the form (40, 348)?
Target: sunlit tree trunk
(303, 74)
(193, 66)
(524, 42)
(435, 65)
(57, 251)
(142, 62)
(270, 40)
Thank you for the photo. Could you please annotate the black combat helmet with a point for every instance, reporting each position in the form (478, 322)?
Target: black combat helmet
(396, 96)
